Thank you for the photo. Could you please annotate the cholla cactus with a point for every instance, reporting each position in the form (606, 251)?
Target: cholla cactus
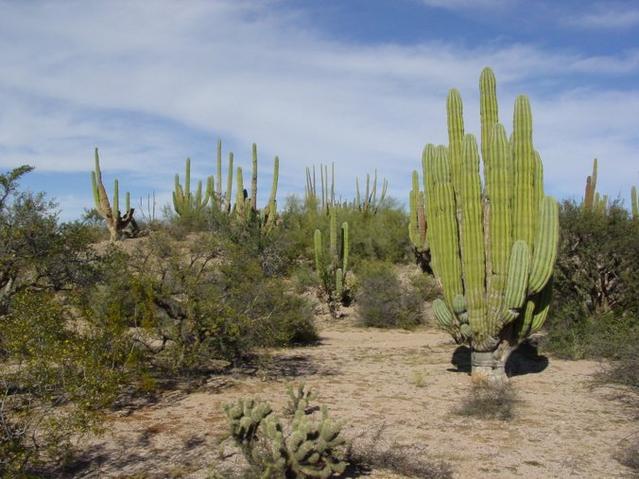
(314, 448)
(494, 245)
(115, 222)
(332, 268)
(299, 398)
(187, 204)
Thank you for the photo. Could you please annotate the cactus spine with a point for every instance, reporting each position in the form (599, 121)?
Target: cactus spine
(493, 246)
(115, 222)
(332, 268)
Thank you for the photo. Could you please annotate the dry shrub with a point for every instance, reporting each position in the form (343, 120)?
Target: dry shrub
(405, 460)
(489, 400)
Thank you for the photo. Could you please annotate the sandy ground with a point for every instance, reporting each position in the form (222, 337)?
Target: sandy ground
(403, 381)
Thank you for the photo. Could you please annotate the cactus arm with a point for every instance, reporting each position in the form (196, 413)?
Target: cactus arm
(116, 198)
(239, 195)
(515, 292)
(254, 177)
(345, 247)
(524, 211)
(319, 256)
(546, 245)
(472, 238)
(634, 203)
(333, 232)
(218, 170)
(455, 117)
(543, 300)
(488, 112)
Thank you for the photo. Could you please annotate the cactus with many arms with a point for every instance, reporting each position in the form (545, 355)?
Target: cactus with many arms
(370, 203)
(494, 245)
(246, 206)
(186, 203)
(332, 268)
(115, 222)
(326, 200)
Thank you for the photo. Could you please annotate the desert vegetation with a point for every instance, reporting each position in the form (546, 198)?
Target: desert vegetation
(225, 301)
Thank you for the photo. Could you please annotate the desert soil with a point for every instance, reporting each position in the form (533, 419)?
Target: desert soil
(403, 382)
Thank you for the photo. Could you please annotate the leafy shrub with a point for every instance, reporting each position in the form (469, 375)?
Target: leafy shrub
(426, 285)
(383, 301)
(595, 307)
(57, 380)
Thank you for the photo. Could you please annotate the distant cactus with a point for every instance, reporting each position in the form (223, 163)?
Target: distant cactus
(332, 267)
(592, 201)
(634, 203)
(417, 225)
(370, 202)
(311, 449)
(115, 222)
(186, 203)
(326, 199)
(494, 245)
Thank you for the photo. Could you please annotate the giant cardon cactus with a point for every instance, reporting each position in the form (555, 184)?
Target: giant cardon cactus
(116, 223)
(186, 203)
(493, 245)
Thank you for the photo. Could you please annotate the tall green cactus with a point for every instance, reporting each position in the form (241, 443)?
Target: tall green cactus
(115, 222)
(222, 200)
(634, 203)
(417, 225)
(332, 267)
(494, 245)
(186, 203)
(591, 188)
(326, 199)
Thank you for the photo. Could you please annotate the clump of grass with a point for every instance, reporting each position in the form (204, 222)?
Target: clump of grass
(404, 460)
(419, 379)
(489, 400)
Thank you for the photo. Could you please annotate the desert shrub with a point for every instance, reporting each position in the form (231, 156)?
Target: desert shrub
(426, 285)
(58, 376)
(309, 445)
(382, 236)
(595, 308)
(305, 278)
(193, 302)
(489, 400)
(383, 301)
(406, 460)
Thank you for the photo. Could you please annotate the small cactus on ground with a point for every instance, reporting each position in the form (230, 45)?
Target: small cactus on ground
(116, 223)
(299, 397)
(332, 267)
(304, 449)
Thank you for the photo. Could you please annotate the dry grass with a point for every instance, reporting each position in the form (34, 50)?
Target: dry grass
(489, 400)
(406, 460)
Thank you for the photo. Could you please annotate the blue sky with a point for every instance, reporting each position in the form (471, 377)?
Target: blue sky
(361, 83)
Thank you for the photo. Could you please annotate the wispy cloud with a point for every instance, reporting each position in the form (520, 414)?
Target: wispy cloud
(151, 85)
(469, 4)
(605, 15)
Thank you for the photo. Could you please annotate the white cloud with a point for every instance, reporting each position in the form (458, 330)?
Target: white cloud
(469, 4)
(605, 16)
(150, 84)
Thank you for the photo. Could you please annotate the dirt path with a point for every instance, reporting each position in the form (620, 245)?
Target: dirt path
(403, 381)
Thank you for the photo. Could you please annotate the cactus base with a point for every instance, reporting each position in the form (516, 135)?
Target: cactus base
(489, 365)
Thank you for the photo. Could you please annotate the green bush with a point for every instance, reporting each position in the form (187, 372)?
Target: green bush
(595, 309)
(382, 299)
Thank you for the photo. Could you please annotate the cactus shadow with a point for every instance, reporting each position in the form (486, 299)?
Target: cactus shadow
(525, 359)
